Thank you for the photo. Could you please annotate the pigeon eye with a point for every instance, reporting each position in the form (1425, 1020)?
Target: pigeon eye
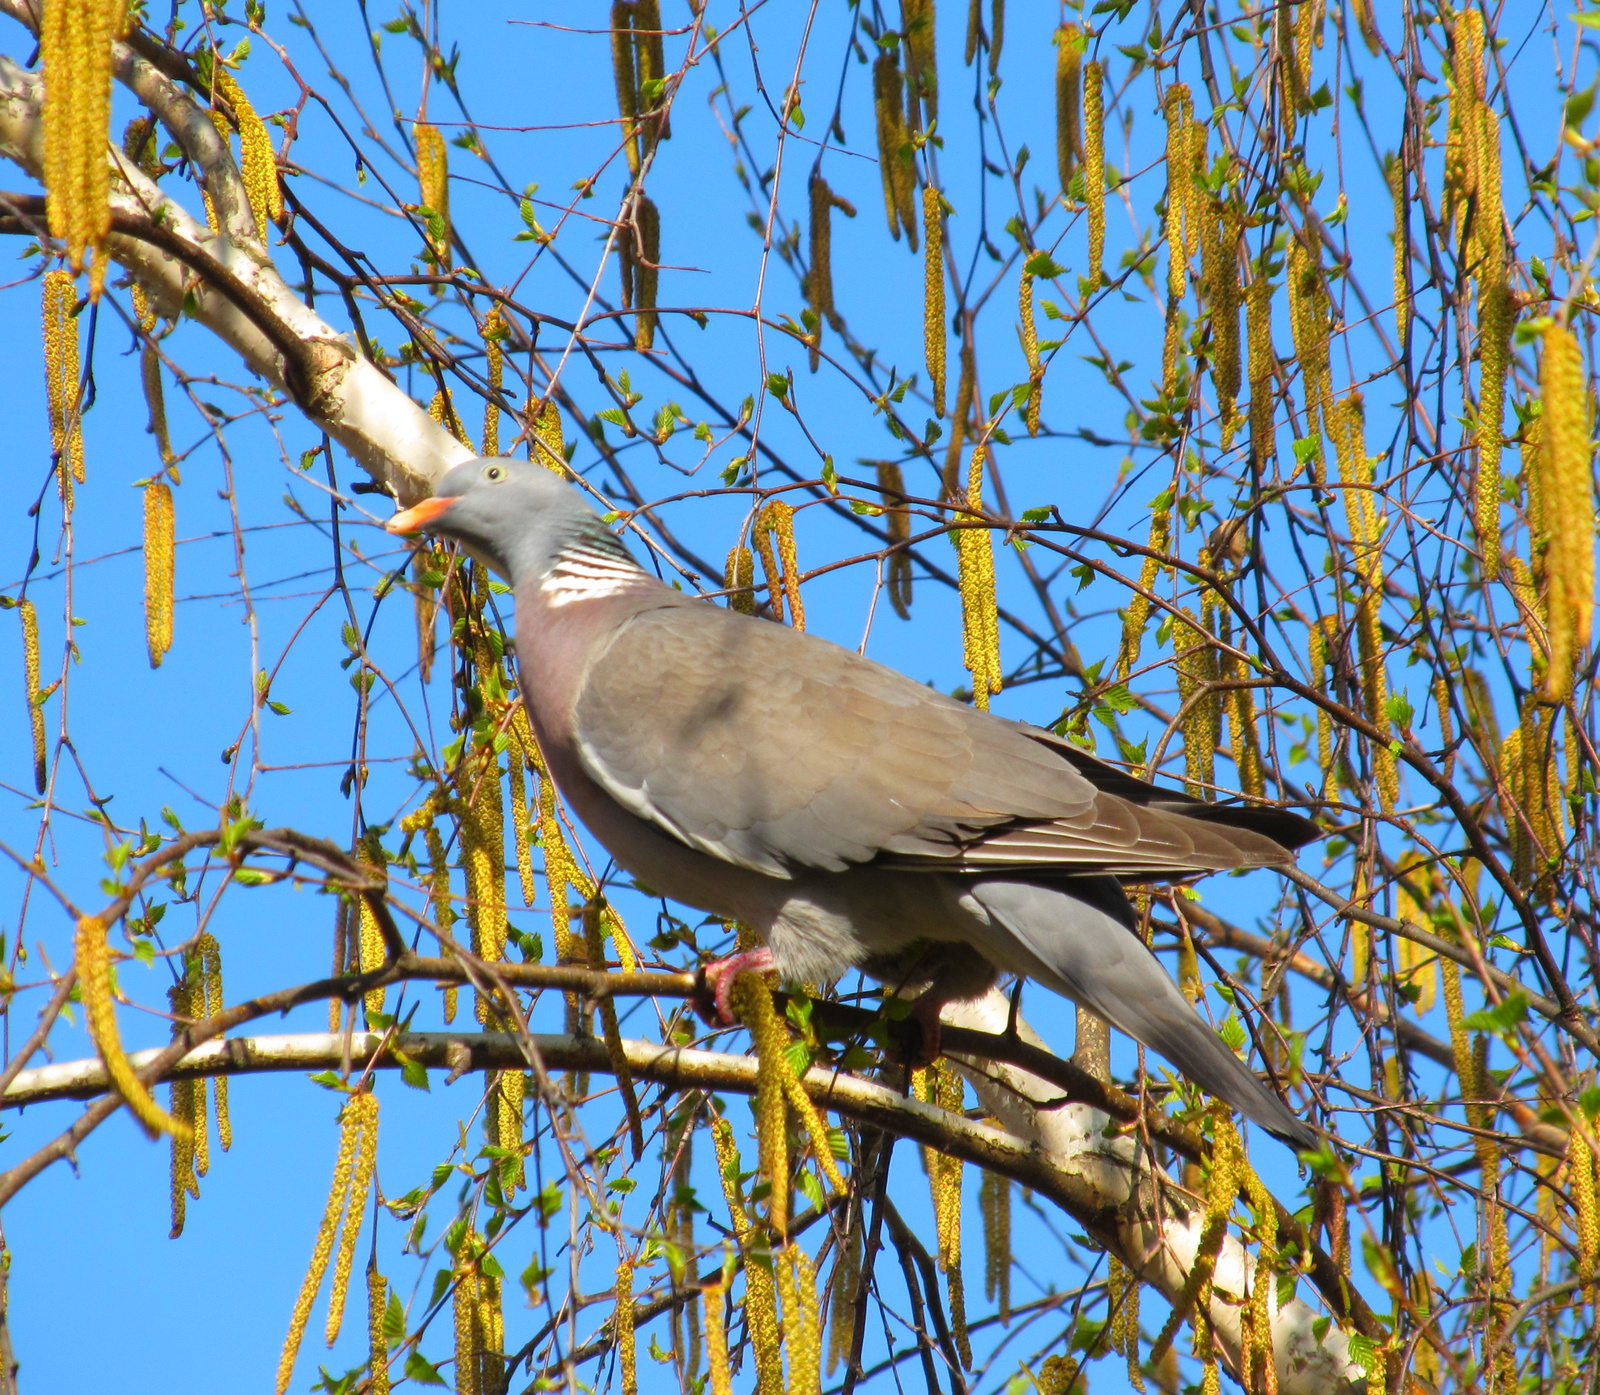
(494, 474)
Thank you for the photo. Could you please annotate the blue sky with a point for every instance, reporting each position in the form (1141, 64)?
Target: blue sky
(92, 1240)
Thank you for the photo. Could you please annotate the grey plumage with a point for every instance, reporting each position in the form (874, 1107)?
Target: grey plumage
(848, 814)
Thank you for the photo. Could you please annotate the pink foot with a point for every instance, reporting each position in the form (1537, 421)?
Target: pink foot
(721, 973)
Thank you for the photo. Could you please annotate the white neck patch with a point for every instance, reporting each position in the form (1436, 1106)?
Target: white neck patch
(585, 574)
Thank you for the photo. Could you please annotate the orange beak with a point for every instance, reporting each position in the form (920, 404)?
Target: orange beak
(419, 517)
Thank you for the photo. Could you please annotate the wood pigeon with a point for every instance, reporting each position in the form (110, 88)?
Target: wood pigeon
(852, 817)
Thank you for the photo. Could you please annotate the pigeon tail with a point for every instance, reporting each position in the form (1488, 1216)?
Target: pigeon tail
(1078, 938)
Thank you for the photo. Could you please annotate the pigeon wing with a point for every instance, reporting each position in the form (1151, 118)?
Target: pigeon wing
(776, 750)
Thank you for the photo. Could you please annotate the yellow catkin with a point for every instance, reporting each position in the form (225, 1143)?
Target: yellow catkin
(713, 1300)
(650, 64)
(483, 856)
(61, 379)
(370, 936)
(642, 270)
(802, 1336)
(1586, 1212)
(258, 164)
(1137, 615)
(819, 272)
(760, 1293)
(739, 578)
(322, 1251)
(961, 422)
(933, 313)
(894, 148)
(593, 918)
(922, 64)
(1239, 703)
(1402, 252)
(1318, 659)
(1222, 1185)
(1179, 107)
(994, 1197)
(1219, 276)
(75, 40)
(159, 567)
(773, 536)
(1197, 675)
(433, 181)
(544, 438)
(975, 577)
(892, 486)
(1263, 363)
(846, 1295)
(184, 1181)
(466, 1310)
(1346, 425)
(752, 1000)
(1309, 309)
(31, 693)
(1419, 967)
(1094, 167)
(444, 914)
(945, 1088)
(495, 334)
(361, 1118)
(1259, 1354)
(519, 821)
(210, 1002)
(625, 78)
(1030, 352)
(150, 376)
(1496, 314)
(377, 1341)
(93, 958)
(1070, 43)
(623, 1327)
(1564, 463)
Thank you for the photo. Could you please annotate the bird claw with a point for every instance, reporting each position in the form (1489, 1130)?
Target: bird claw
(720, 975)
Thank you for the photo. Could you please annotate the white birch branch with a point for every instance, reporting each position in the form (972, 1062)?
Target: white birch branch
(226, 281)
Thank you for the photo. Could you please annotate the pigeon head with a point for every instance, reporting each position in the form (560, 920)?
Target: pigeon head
(514, 516)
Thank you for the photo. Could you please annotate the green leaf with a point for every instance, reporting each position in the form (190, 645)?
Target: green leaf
(1043, 264)
(421, 1370)
(1500, 1020)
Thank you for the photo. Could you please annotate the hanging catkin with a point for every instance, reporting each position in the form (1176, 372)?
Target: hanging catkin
(892, 486)
(61, 380)
(93, 959)
(1346, 427)
(75, 39)
(258, 165)
(1219, 278)
(760, 1305)
(1030, 352)
(894, 148)
(819, 271)
(1070, 43)
(1262, 367)
(1137, 615)
(922, 64)
(1396, 174)
(933, 314)
(1202, 723)
(31, 692)
(980, 622)
(433, 180)
(159, 562)
(1565, 469)
(1094, 167)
